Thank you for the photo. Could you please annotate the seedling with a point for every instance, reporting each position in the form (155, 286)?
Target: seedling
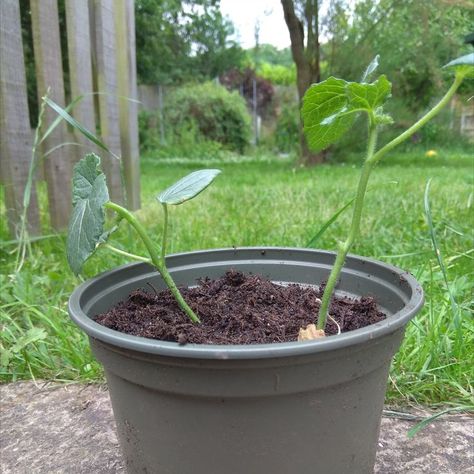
(329, 110)
(87, 226)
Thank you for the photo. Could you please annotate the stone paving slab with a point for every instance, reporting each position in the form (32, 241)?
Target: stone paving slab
(55, 428)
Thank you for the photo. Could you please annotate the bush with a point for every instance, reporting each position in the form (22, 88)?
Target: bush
(278, 74)
(212, 112)
(441, 132)
(184, 142)
(287, 129)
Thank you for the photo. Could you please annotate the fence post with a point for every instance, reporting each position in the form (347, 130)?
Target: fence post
(106, 73)
(15, 131)
(80, 69)
(49, 74)
(161, 114)
(127, 91)
(255, 113)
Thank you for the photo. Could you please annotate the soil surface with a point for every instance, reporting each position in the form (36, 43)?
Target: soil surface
(236, 309)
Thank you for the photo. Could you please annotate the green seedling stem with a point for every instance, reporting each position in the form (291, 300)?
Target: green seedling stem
(372, 158)
(165, 232)
(157, 259)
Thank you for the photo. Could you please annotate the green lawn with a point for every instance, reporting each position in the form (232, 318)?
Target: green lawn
(273, 202)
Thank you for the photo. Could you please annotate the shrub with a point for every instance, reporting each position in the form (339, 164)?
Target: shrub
(278, 74)
(183, 142)
(287, 128)
(212, 112)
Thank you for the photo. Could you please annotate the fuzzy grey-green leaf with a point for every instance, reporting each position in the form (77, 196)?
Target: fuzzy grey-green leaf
(463, 64)
(325, 113)
(86, 226)
(188, 187)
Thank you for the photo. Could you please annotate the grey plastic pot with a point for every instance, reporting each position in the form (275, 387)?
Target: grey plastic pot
(300, 407)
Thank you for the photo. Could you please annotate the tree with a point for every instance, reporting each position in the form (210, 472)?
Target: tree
(302, 20)
(178, 40)
(213, 52)
(412, 37)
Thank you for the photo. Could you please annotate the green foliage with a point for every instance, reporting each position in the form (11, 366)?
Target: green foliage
(219, 115)
(269, 54)
(412, 37)
(63, 114)
(329, 107)
(434, 365)
(368, 96)
(179, 40)
(440, 132)
(185, 142)
(86, 226)
(463, 65)
(188, 187)
(328, 111)
(278, 74)
(91, 198)
(287, 128)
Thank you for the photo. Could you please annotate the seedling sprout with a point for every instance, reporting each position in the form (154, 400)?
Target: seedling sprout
(329, 110)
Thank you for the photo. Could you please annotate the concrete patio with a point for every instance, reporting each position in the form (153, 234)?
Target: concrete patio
(56, 428)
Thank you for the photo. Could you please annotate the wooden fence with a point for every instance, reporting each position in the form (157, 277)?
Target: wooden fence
(101, 57)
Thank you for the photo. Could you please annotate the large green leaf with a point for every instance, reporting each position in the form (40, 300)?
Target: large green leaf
(329, 108)
(86, 226)
(369, 96)
(188, 187)
(463, 64)
(325, 113)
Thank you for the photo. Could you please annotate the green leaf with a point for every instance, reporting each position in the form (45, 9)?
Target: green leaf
(325, 112)
(5, 357)
(325, 226)
(329, 107)
(33, 334)
(426, 421)
(463, 65)
(369, 96)
(106, 234)
(188, 187)
(72, 121)
(374, 64)
(58, 119)
(86, 226)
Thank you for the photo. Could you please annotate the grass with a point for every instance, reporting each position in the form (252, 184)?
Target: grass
(270, 201)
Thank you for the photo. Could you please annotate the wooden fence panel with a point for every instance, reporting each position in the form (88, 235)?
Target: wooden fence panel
(80, 70)
(101, 55)
(127, 88)
(149, 97)
(106, 70)
(15, 131)
(49, 75)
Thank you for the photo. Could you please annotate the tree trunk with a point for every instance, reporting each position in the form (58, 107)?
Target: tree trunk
(306, 59)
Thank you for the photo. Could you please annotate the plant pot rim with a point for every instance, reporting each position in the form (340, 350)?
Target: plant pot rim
(250, 351)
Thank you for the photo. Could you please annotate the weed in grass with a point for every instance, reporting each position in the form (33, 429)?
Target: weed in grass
(37, 338)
